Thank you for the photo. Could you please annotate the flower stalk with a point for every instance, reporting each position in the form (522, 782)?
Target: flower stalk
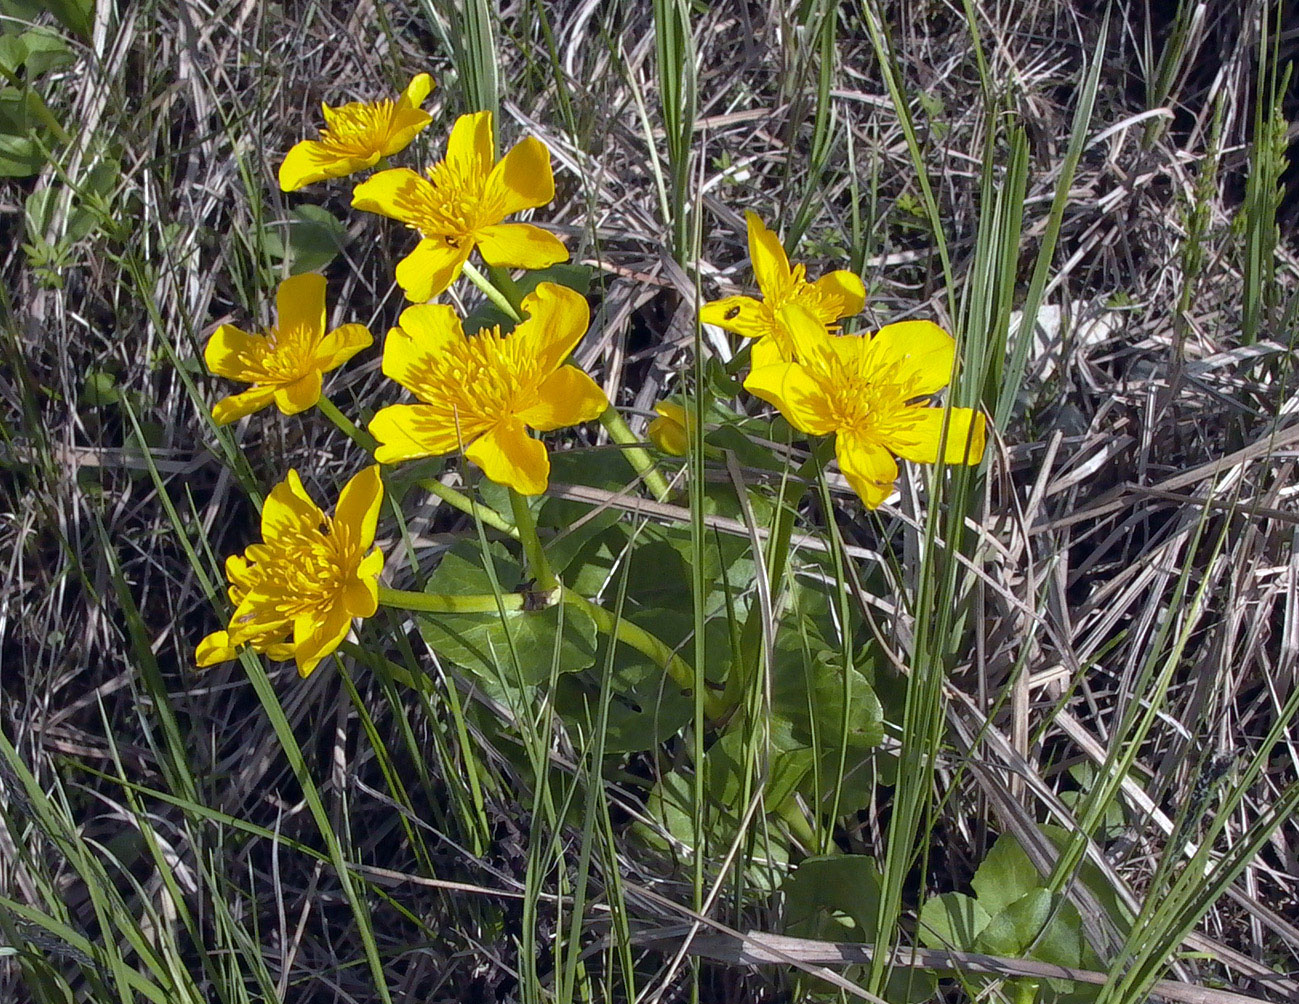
(538, 563)
(636, 454)
(443, 603)
(629, 633)
(345, 425)
(491, 292)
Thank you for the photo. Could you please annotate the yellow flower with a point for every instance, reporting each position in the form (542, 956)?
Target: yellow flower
(839, 294)
(869, 392)
(670, 432)
(284, 364)
(462, 203)
(357, 135)
(296, 594)
(482, 392)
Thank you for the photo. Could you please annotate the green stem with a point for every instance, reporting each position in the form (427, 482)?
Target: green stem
(459, 500)
(544, 575)
(504, 282)
(636, 454)
(345, 425)
(625, 631)
(491, 292)
(799, 827)
(440, 603)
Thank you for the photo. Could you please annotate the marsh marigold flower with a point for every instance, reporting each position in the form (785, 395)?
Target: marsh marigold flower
(838, 294)
(670, 432)
(481, 393)
(286, 363)
(871, 394)
(357, 135)
(296, 593)
(461, 204)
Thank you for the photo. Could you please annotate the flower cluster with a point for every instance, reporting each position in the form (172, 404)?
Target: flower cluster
(873, 394)
(485, 394)
(296, 594)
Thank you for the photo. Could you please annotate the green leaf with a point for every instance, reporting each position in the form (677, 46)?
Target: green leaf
(1036, 926)
(35, 51)
(727, 770)
(100, 389)
(831, 895)
(481, 643)
(836, 898)
(315, 238)
(645, 707)
(952, 921)
(1005, 876)
(78, 16)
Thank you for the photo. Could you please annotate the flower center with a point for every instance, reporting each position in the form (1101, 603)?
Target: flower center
(481, 380)
(452, 206)
(283, 355)
(301, 570)
(861, 396)
(356, 129)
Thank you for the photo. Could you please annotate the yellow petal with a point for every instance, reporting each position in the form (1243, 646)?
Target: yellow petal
(520, 245)
(431, 268)
(922, 351)
(742, 314)
(557, 318)
(406, 124)
(428, 329)
(770, 263)
(342, 344)
(310, 161)
(918, 433)
(408, 431)
(371, 565)
(303, 393)
(771, 351)
(809, 338)
(416, 91)
(300, 304)
(214, 648)
(799, 398)
(869, 468)
(669, 432)
(236, 406)
(567, 397)
(847, 288)
(357, 512)
(471, 151)
(396, 193)
(288, 509)
(361, 597)
(315, 637)
(232, 353)
(522, 179)
(510, 457)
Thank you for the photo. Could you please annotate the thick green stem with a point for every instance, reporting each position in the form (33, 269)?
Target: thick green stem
(345, 425)
(636, 454)
(491, 292)
(508, 288)
(799, 827)
(682, 673)
(538, 564)
(442, 603)
(459, 500)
